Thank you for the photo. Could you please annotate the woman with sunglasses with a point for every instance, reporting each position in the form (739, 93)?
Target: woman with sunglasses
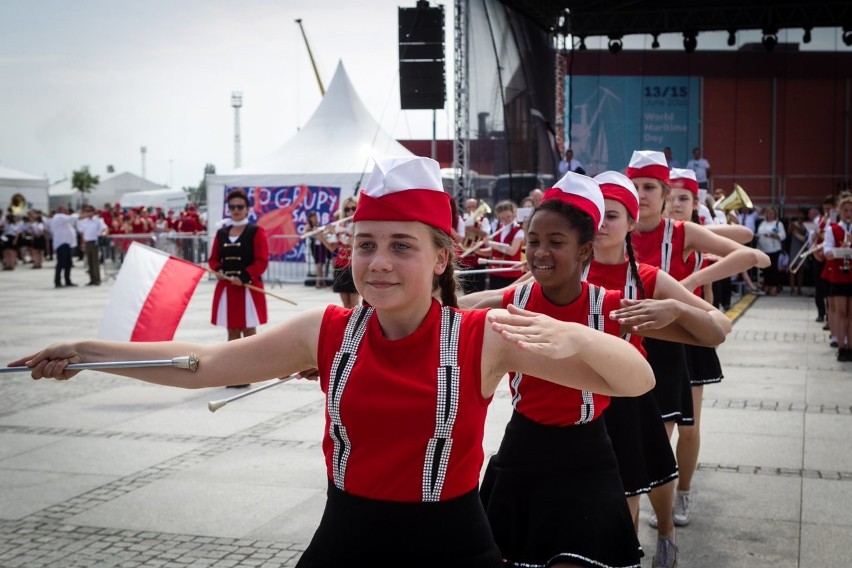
(403, 434)
(343, 283)
(240, 256)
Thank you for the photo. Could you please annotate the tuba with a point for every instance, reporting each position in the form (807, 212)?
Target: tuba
(738, 198)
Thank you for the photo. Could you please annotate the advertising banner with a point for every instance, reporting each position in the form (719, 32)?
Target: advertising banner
(283, 212)
(614, 115)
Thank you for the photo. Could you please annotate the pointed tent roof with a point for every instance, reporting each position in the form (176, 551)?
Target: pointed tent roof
(17, 175)
(340, 137)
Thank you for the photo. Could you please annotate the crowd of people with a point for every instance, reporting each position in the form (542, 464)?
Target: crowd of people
(601, 299)
(30, 236)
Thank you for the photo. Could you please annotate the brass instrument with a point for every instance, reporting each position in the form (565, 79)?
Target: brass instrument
(802, 256)
(473, 221)
(738, 198)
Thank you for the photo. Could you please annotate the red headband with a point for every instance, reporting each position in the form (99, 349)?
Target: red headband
(428, 206)
(652, 171)
(623, 196)
(686, 183)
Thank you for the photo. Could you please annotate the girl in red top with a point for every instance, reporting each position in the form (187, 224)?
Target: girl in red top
(343, 283)
(506, 244)
(552, 492)
(240, 255)
(669, 245)
(403, 436)
(638, 435)
(839, 235)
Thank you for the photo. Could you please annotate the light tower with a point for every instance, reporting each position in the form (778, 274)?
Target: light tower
(237, 102)
(461, 140)
(143, 149)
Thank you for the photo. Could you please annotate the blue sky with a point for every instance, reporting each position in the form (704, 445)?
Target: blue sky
(89, 82)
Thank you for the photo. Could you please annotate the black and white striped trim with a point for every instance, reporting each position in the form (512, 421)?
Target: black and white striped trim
(341, 367)
(666, 246)
(522, 296)
(448, 377)
(596, 321)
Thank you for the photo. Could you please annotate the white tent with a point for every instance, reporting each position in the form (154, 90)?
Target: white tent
(164, 198)
(334, 149)
(110, 189)
(32, 187)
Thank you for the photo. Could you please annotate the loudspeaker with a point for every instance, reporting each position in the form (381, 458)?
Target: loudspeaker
(422, 85)
(422, 81)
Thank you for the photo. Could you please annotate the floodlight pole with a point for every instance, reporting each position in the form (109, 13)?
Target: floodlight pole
(237, 103)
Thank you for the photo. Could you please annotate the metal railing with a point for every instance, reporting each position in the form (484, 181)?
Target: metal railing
(195, 248)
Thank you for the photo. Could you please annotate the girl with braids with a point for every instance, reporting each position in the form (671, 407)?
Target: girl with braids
(403, 436)
(640, 440)
(669, 245)
(552, 492)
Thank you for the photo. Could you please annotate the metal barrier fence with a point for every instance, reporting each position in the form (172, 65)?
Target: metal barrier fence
(194, 248)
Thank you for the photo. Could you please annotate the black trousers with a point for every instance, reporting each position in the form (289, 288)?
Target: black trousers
(63, 264)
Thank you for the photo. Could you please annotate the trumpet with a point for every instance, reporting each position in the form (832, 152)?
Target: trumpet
(473, 221)
(802, 256)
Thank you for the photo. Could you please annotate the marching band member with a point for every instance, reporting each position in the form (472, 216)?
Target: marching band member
(475, 229)
(506, 244)
(240, 255)
(669, 245)
(839, 235)
(638, 435)
(343, 282)
(403, 448)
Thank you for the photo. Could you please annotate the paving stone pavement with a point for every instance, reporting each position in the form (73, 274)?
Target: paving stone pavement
(102, 471)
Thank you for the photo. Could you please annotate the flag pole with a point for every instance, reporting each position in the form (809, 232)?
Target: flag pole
(221, 276)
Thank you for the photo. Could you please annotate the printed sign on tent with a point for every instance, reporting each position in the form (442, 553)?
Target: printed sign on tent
(282, 211)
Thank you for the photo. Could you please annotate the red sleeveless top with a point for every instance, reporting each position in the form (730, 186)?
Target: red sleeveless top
(398, 428)
(545, 402)
(510, 236)
(656, 249)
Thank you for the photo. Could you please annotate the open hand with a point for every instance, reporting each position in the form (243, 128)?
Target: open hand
(639, 315)
(534, 332)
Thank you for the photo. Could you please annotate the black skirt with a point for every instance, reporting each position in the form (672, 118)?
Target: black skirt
(552, 494)
(355, 531)
(703, 364)
(343, 283)
(641, 444)
(673, 390)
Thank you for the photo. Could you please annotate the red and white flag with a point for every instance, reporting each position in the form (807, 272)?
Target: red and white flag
(149, 296)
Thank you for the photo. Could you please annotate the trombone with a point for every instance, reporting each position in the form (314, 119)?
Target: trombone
(802, 256)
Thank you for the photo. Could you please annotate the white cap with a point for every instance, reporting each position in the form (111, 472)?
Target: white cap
(580, 191)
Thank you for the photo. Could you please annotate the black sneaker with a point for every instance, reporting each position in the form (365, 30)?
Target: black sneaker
(842, 354)
(820, 319)
(70, 285)
(237, 386)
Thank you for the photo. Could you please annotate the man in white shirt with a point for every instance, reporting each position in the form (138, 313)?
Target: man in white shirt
(64, 236)
(701, 167)
(570, 164)
(91, 227)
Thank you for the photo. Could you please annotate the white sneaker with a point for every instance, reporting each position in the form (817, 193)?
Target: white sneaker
(681, 509)
(652, 520)
(666, 554)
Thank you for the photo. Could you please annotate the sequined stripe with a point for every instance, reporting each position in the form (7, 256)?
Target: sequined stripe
(631, 292)
(522, 296)
(341, 367)
(448, 376)
(596, 321)
(666, 258)
(698, 261)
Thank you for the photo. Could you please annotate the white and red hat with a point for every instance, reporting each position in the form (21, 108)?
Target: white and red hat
(580, 191)
(617, 186)
(650, 164)
(684, 179)
(406, 189)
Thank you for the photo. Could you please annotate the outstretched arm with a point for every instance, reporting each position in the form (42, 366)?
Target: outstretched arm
(569, 354)
(248, 360)
(734, 258)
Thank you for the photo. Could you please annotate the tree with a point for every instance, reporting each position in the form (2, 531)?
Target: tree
(84, 182)
(198, 195)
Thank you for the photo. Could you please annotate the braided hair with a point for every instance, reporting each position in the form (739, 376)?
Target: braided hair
(634, 268)
(446, 283)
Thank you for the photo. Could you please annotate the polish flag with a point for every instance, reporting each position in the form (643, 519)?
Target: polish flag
(149, 296)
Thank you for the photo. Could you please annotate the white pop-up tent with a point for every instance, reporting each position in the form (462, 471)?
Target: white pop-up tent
(335, 148)
(110, 190)
(32, 187)
(165, 199)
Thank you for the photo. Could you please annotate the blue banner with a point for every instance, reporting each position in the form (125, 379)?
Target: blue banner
(282, 211)
(615, 115)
